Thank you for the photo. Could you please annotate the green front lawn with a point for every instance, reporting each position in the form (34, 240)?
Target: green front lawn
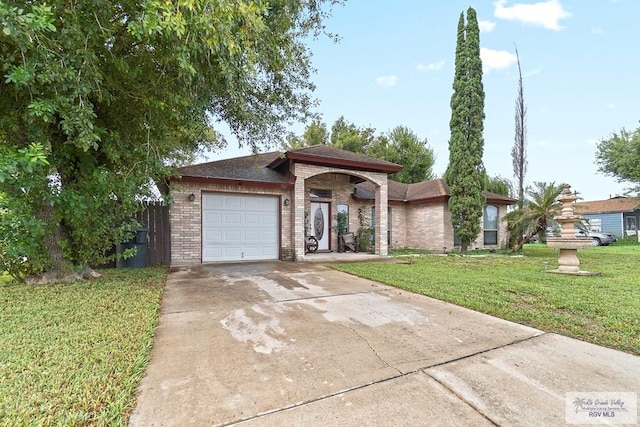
(604, 309)
(74, 354)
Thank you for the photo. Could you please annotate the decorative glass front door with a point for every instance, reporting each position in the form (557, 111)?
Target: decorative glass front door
(320, 224)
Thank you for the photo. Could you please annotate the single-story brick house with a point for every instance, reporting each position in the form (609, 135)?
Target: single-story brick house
(259, 207)
(617, 215)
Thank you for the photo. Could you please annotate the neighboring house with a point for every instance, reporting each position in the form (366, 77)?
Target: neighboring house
(260, 207)
(618, 215)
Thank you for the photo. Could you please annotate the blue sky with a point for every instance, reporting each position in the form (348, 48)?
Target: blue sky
(580, 61)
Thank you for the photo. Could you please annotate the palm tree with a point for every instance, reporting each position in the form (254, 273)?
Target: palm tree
(540, 208)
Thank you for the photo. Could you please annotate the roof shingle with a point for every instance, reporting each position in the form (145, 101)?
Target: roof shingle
(332, 156)
(432, 190)
(617, 204)
(247, 168)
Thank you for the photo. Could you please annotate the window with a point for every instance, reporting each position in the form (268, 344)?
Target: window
(343, 219)
(490, 222)
(317, 193)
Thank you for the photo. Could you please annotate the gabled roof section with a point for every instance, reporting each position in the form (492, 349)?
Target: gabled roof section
(325, 155)
(434, 190)
(247, 169)
(427, 191)
(499, 199)
(614, 205)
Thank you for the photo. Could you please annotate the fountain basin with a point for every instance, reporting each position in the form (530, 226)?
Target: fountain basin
(569, 242)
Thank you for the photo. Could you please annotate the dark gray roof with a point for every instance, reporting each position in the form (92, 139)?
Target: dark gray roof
(333, 155)
(247, 168)
(435, 189)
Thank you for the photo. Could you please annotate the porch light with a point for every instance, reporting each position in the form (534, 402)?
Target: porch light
(287, 202)
(192, 197)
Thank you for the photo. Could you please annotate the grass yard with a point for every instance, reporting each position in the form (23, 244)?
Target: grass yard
(603, 310)
(74, 354)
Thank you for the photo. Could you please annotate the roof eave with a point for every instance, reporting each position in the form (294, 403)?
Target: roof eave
(230, 181)
(347, 164)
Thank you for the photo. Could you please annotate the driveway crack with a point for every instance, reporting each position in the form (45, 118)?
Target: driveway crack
(312, 297)
(373, 350)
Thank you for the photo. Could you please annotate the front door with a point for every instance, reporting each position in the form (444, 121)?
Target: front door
(320, 224)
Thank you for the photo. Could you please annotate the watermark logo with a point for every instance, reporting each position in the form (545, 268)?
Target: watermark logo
(595, 407)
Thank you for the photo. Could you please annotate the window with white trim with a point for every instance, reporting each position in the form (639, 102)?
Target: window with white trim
(490, 222)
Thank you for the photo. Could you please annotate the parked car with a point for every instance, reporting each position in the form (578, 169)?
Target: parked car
(598, 238)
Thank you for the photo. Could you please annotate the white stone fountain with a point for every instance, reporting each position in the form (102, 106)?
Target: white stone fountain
(568, 243)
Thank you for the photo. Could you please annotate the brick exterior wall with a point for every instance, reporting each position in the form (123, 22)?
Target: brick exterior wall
(427, 226)
(418, 226)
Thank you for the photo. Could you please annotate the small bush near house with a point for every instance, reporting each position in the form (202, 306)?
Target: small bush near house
(74, 354)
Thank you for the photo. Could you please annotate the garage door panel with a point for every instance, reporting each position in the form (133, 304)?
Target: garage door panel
(212, 235)
(266, 220)
(213, 202)
(252, 219)
(211, 218)
(233, 203)
(253, 236)
(231, 236)
(213, 252)
(254, 205)
(240, 227)
(259, 252)
(233, 218)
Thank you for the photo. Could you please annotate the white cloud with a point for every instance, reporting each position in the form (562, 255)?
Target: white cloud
(611, 106)
(496, 59)
(597, 30)
(532, 73)
(546, 14)
(433, 66)
(387, 81)
(487, 26)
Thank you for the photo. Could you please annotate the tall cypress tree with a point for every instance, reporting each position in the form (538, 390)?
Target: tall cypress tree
(464, 174)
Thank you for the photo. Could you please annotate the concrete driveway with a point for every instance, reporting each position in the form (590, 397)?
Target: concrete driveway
(300, 344)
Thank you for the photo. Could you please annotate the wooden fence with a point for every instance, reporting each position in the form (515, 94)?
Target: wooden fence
(155, 218)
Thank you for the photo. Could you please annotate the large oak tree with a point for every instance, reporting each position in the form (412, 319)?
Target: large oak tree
(98, 98)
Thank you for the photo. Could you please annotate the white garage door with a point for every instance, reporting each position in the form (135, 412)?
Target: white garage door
(239, 227)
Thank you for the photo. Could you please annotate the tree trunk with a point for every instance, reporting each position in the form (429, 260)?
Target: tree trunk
(59, 269)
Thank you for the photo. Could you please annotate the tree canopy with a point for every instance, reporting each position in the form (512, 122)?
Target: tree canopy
(498, 184)
(407, 149)
(106, 96)
(465, 172)
(400, 145)
(619, 156)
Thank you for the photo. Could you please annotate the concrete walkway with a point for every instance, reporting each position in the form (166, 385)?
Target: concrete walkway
(298, 344)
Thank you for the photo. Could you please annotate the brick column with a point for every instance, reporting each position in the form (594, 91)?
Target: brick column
(298, 219)
(382, 204)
